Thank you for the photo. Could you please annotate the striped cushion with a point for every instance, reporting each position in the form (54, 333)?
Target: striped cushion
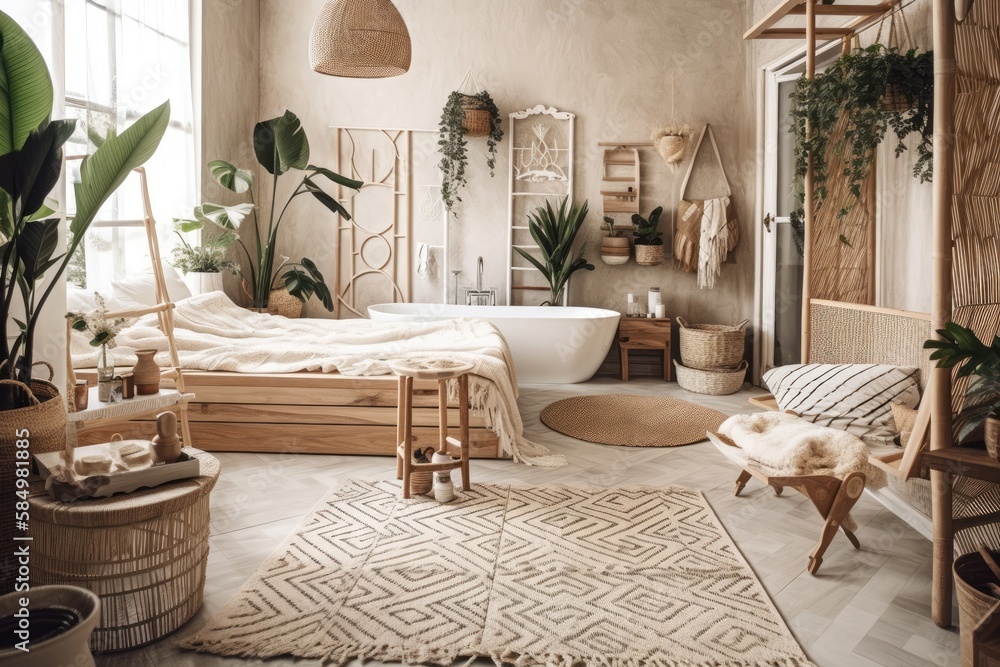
(852, 397)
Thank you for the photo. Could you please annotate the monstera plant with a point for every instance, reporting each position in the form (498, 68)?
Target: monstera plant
(281, 147)
(31, 159)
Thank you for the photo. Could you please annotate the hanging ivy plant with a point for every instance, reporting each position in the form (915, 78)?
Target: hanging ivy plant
(861, 84)
(452, 142)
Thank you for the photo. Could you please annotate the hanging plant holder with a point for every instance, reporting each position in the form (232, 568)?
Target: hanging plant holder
(478, 121)
(671, 148)
(896, 99)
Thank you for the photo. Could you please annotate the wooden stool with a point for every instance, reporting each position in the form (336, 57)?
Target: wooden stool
(441, 370)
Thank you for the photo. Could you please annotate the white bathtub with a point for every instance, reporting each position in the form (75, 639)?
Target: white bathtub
(549, 343)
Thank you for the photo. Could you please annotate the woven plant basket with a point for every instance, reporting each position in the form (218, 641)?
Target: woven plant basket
(671, 148)
(894, 100)
(477, 121)
(713, 383)
(280, 302)
(711, 346)
(971, 578)
(648, 255)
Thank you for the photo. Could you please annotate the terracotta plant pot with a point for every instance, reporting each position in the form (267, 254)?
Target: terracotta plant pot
(648, 255)
(991, 433)
(615, 250)
(77, 609)
(145, 373)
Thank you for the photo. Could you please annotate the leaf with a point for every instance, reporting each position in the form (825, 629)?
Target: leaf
(48, 207)
(29, 174)
(281, 144)
(35, 245)
(226, 217)
(26, 93)
(230, 177)
(336, 178)
(326, 199)
(104, 171)
(185, 226)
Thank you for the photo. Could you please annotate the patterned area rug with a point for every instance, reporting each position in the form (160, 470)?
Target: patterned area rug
(560, 575)
(632, 421)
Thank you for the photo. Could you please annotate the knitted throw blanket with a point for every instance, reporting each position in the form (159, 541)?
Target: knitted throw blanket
(214, 334)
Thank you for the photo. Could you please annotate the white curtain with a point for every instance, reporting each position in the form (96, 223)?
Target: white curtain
(123, 58)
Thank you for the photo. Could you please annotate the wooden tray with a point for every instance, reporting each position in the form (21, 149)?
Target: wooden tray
(126, 481)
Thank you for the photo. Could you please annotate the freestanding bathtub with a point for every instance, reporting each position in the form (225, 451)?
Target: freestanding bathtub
(558, 344)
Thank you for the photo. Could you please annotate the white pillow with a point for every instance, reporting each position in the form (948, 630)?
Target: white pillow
(855, 398)
(79, 300)
(138, 291)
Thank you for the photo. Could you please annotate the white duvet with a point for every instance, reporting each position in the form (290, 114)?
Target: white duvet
(214, 334)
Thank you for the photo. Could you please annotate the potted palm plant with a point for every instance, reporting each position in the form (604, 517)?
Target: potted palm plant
(281, 146)
(615, 249)
(959, 345)
(648, 241)
(202, 264)
(555, 231)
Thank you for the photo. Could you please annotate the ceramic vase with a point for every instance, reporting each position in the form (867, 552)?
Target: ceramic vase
(145, 373)
(615, 250)
(203, 283)
(49, 607)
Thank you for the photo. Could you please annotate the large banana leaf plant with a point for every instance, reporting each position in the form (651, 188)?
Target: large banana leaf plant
(31, 159)
(959, 345)
(280, 145)
(555, 232)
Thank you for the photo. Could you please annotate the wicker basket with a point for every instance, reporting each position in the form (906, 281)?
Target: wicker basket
(713, 383)
(648, 255)
(477, 121)
(971, 578)
(671, 148)
(894, 100)
(280, 302)
(711, 346)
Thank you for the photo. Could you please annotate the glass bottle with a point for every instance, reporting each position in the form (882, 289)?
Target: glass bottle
(634, 307)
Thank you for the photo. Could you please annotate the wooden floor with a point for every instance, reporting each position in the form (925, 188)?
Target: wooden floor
(868, 607)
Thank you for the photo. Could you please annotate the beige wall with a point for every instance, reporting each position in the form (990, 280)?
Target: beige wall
(611, 63)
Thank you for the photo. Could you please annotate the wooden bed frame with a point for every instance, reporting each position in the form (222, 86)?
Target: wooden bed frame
(301, 413)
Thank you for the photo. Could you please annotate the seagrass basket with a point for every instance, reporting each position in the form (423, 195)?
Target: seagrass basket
(711, 346)
(712, 383)
(477, 121)
(648, 255)
(895, 100)
(972, 579)
(280, 302)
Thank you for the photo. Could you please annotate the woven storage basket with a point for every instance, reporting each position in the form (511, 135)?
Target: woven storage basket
(712, 346)
(971, 577)
(713, 383)
(894, 100)
(648, 255)
(477, 121)
(280, 302)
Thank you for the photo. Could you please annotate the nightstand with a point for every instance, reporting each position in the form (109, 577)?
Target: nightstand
(644, 333)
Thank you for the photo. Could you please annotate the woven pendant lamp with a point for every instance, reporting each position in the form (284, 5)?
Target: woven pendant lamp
(365, 39)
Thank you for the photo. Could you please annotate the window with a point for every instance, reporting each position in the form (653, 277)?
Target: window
(123, 58)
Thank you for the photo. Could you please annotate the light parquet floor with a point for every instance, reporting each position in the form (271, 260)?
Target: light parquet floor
(866, 608)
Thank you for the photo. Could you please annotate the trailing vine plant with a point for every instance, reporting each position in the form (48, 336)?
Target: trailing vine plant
(452, 141)
(857, 85)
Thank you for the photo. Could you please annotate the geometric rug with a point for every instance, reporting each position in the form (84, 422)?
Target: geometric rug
(559, 575)
(632, 421)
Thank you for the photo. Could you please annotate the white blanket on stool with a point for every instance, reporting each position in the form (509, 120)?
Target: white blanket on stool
(214, 334)
(789, 445)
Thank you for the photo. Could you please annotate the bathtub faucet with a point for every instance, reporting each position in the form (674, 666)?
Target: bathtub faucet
(479, 296)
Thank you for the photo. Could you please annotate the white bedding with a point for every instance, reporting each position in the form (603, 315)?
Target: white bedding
(214, 334)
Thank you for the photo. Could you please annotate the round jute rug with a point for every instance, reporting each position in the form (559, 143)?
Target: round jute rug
(632, 421)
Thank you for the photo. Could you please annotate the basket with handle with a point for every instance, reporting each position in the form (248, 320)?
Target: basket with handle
(719, 382)
(712, 346)
(974, 575)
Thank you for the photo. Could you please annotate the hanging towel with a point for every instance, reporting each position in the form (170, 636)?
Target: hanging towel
(715, 241)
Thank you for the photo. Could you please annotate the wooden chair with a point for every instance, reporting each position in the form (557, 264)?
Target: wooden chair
(458, 449)
(832, 496)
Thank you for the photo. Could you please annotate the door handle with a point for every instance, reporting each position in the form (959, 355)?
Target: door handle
(768, 219)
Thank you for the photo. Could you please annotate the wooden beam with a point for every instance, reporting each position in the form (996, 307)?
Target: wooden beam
(808, 206)
(842, 10)
(799, 33)
(771, 18)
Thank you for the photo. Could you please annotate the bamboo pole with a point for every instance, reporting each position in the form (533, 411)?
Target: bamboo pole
(941, 430)
(808, 206)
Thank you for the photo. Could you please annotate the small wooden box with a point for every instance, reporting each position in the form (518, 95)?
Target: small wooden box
(126, 481)
(644, 333)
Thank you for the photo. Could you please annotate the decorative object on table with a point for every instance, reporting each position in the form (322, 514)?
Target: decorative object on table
(629, 420)
(62, 619)
(707, 229)
(555, 232)
(719, 382)
(615, 248)
(654, 299)
(644, 333)
(671, 143)
(977, 583)
(150, 589)
(117, 390)
(634, 307)
(472, 114)
(280, 145)
(81, 395)
(364, 39)
(102, 332)
(444, 490)
(104, 388)
(202, 264)
(166, 445)
(134, 455)
(524, 603)
(128, 384)
(621, 165)
(712, 346)
(145, 373)
(422, 480)
(648, 241)
(661, 311)
(980, 363)
(88, 465)
(282, 303)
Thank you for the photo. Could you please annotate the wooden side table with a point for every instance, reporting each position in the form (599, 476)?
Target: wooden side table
(638, 333)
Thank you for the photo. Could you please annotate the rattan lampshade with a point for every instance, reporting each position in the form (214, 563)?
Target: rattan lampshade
(364, 39)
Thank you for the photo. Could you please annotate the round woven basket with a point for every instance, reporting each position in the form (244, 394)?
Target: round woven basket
(477, 121)
(894, 100)
(713, 383)
(671, 148)
(971, 578)
(648, 255)
(711, 346)
(280, 302)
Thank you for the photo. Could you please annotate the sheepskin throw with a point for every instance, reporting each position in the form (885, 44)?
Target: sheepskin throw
(525, 575)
